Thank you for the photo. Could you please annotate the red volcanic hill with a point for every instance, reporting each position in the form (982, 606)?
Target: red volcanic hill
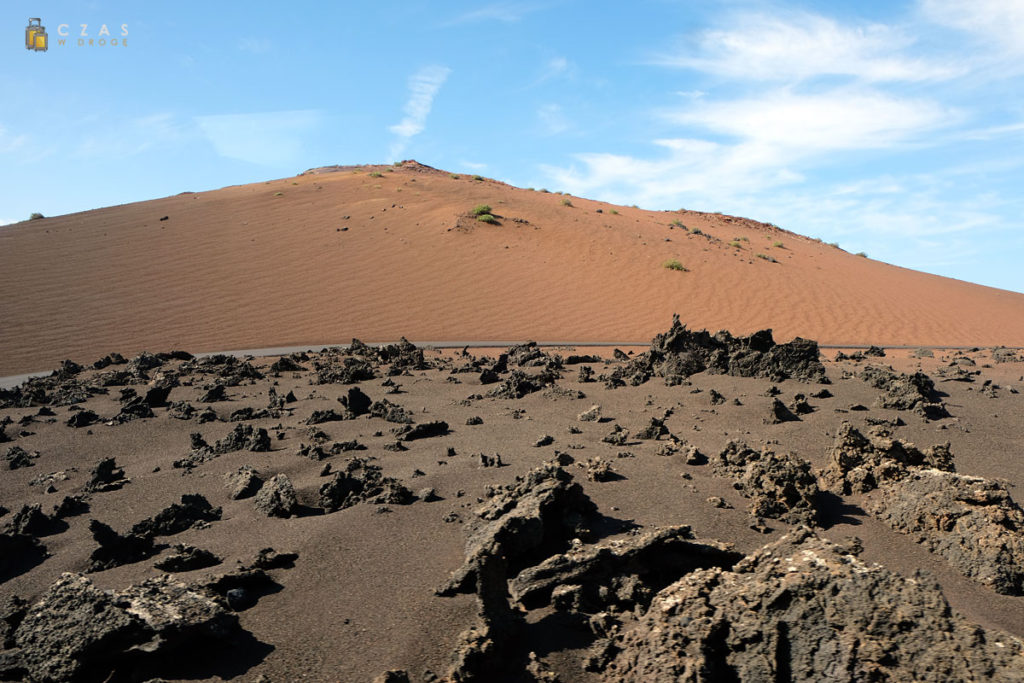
(378, 252)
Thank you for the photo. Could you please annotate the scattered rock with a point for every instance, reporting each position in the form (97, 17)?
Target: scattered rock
(70, 506)
(619, 574)
(78, 632)
(545, 440)
(524, 522)
(360, 482)
(801, 609)
(679, 353)
(106, 476)
(601, 470)
(591, 414)
(17, 458)
(779, 413)
(914, 392)
(858, 464)
(356, 402)
(778, 486)
(426, 430)
(115, 550)
(30, 520)
(242, 483)
(83, 418)
(214, 394)
(971, 522)
(276, 498)
(654, 430)
(186, 558)
(268, 558)
(490, 460)
(617, 437)
(390, 412)
(193, 511)
(516, 385)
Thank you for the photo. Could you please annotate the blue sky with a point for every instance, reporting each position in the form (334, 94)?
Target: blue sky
(894, 128)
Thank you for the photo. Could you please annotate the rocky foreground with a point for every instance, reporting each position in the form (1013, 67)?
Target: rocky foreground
(714, 508)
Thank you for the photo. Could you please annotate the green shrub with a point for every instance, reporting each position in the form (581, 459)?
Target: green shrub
(454, 176)
(735, 243)
(862, 254)
(679, 224)
(674, 264)
(834, 245)
(481, 209)
(614, 212)
(397, 164)
(777, 244)
(279, 194)
(695, 231)
(36, 216)
(566, 202)
(478, 177)
(376, 174)
(487, 218)
(545, 190)
(766, 257)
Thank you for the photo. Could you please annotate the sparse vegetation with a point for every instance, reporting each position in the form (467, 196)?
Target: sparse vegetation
(545, 190)
(834, 245)
(376, 174)
(735, 243)
(279, 194)
(674, 264)
(678, 223)
(777, 244)
(478, 177)
(566, 202)
(397, 164)
(766, 257)
(695, 231)
(741, 239)
(481, 209)
(862, 254)
(454, 176)
(36, 216)
(613, 212)
(487, 218)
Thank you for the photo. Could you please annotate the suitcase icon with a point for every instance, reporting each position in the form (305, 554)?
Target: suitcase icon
(35, 35)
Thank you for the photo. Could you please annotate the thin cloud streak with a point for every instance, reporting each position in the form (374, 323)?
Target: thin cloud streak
(423, 88)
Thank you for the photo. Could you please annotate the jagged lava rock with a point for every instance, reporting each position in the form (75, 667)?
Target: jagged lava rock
(802, 609)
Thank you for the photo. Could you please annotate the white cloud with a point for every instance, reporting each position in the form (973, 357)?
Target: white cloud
(473, 165)
(265, 138)
(506, 12)
(125, 138)
(256, 46)
(423, 87)
(997, 21)
(9, 142)
(552, 119)
(769, 48)
(832, 120)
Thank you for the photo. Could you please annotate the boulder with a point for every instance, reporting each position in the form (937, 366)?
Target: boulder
(804, 609)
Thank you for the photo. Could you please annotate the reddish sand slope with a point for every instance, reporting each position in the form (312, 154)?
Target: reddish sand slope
(272, 264)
